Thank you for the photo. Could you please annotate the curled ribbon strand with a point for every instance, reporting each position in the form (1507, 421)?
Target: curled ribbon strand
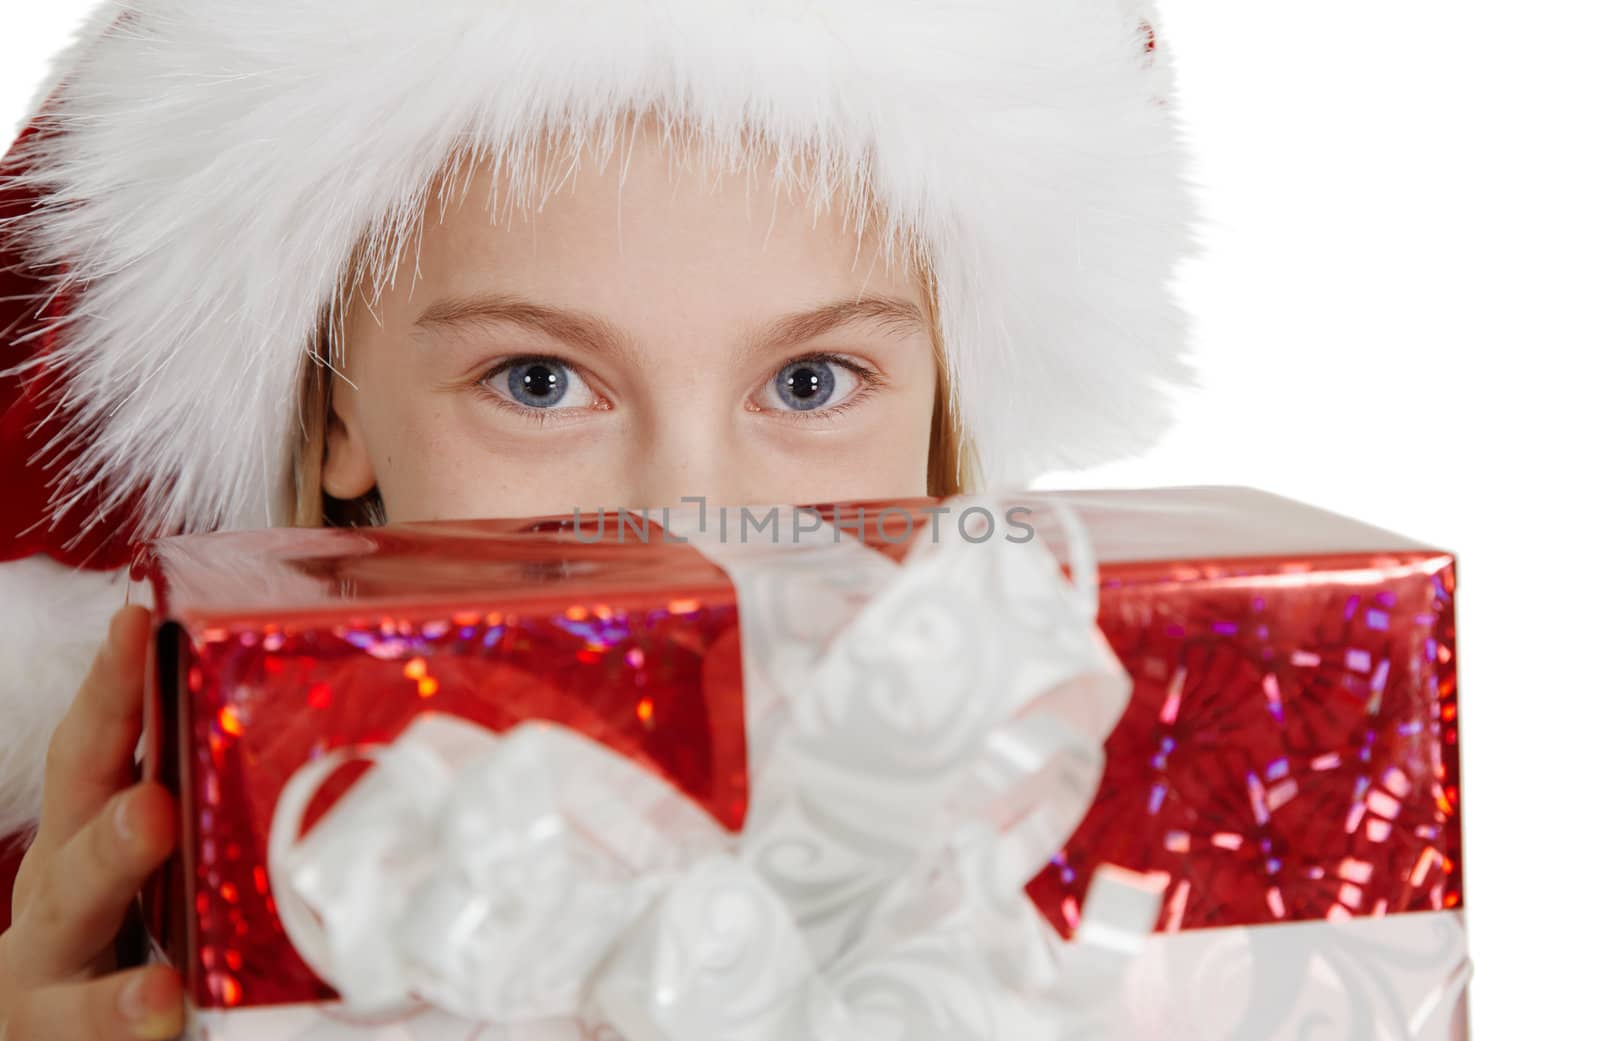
(923, 738)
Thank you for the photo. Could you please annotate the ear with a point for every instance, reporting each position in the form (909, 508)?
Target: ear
(346, 465)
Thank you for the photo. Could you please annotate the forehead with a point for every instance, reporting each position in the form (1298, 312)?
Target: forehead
(645, 223)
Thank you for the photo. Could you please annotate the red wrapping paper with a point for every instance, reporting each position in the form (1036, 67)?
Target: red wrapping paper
(1289, 753)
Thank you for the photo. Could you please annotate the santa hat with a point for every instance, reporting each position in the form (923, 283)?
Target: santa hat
(175, 218)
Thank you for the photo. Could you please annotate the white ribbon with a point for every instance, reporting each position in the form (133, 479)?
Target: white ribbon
(923, 737)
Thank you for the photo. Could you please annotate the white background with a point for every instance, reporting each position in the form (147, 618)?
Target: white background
(1395, 318)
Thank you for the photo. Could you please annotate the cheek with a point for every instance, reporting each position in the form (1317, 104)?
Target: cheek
(420, 456)
(440, 472)
(442, 461)
(849, 475)
(885, 455)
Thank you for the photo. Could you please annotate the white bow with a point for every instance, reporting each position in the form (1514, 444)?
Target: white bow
(923, 737)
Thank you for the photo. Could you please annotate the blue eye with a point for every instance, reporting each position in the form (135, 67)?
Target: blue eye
(806, 384)
(818, 383)
(541, 384)
(538, 383)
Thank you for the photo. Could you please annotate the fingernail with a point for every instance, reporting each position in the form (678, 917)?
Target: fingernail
(122, 817)
(149, 1024)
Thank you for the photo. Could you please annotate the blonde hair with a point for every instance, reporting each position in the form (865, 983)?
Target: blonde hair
(950, 458)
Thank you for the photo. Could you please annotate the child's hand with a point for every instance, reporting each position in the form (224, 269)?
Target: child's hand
(99, 837)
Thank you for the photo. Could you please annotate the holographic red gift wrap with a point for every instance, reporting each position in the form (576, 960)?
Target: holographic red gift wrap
(637, 647)
(1290, 749)
(1288, 754)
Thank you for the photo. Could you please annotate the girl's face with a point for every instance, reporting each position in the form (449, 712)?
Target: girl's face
(656, 331)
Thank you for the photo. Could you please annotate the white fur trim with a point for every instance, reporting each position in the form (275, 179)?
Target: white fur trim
(54, 620)
(218, 162)
(90, 29)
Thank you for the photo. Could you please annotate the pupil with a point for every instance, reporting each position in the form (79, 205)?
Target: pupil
(804, 386)
(539, 384)
(539, 381)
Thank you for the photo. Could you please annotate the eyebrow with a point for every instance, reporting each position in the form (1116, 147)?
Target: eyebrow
(890, 314)
(596, 334)
(573, 327)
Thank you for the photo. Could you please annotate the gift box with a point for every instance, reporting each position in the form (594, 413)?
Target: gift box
(1174, 763)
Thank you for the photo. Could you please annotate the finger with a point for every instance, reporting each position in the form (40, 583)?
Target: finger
(91, 753)
(138, 1005)
(85, 889)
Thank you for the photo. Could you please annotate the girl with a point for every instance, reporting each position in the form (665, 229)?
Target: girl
(314, 263)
